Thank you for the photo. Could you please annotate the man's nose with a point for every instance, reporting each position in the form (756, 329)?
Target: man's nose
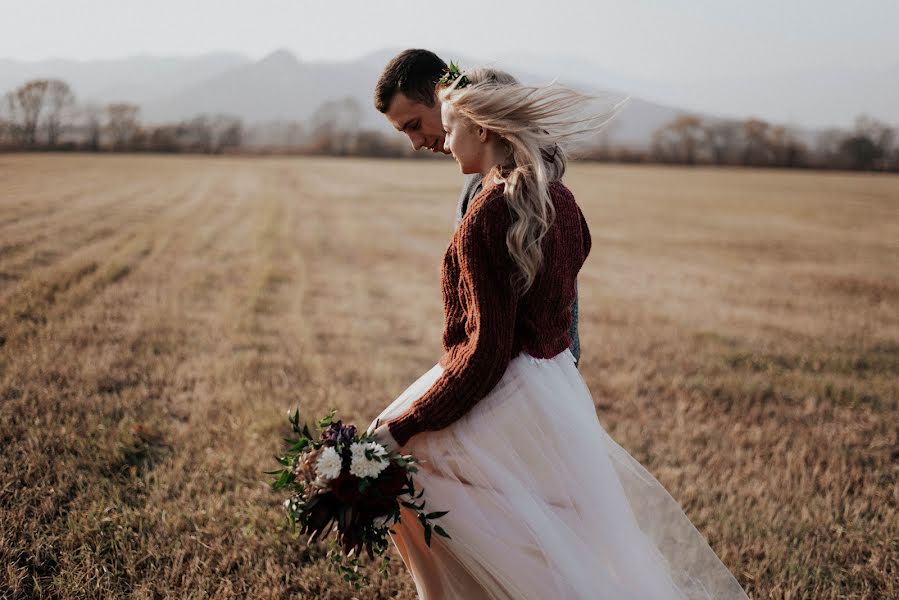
(418, 141)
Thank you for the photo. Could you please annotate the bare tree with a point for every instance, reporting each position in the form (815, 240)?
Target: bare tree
(25, 105)
(827, 148)
(861, 152)
(680, 140)
(92, 117)
(123, 124)
(756, 148)
(335, 125)
(722, 138)
(196, 134)
(872, 143)
(227, 132)
(786, 150)
(212, 134)
(12, 122)
(60, 101)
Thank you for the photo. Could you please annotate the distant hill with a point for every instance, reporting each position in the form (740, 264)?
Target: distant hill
(139, 79)
(281, 86)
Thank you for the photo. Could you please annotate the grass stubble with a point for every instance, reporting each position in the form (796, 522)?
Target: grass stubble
(159, 316)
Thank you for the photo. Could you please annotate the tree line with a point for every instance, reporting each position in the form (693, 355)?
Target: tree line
(44, 114)
(689, 139)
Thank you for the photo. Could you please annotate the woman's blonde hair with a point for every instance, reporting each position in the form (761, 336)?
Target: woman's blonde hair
(535, 123)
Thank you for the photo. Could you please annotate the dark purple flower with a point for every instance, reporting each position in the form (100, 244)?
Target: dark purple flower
(330, 433)
(338, 433)
(346, 435)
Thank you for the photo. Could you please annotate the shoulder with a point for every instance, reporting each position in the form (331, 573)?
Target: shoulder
(558, 191)
(486, 223)
(488, 209)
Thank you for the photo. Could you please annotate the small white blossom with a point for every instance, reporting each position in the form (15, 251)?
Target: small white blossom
(360, 466)
(328, 464)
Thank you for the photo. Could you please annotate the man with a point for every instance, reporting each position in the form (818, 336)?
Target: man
(405, 95)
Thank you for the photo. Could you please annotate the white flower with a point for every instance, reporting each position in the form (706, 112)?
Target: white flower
(363, 467)
(328, 464)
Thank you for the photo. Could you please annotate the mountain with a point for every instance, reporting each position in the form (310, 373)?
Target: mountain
(282, 87)
(279, 86)
(138, 79)
(808, 96)
(813, 97)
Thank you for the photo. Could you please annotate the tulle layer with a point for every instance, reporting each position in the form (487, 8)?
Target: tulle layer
(544, 504)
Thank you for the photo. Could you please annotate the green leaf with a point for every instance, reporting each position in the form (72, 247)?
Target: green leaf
(283, 480)
(327, 420)
(436, 515)
(428, 535)
(440, 531)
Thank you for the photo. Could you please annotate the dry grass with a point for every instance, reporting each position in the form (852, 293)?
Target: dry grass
(158, 316)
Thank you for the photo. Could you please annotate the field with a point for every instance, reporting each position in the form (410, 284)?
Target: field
(160, 315)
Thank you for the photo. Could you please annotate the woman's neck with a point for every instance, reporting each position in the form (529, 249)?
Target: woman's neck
(494, 155)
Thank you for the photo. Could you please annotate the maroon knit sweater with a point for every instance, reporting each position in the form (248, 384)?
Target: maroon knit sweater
(486, 324)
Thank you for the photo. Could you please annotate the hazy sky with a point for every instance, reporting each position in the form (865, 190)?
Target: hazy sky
(655, 40)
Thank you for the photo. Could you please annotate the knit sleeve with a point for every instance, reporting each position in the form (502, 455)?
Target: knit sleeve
(490, 306)
(585, 233)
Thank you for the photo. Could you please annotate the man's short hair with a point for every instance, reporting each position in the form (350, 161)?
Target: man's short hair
(413, 72)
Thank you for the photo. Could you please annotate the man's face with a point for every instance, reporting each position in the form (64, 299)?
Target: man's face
(418, 121)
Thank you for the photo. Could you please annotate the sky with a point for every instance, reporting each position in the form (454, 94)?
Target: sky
(672, 43)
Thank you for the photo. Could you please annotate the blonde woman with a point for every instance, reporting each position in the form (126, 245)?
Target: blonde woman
(542, 503)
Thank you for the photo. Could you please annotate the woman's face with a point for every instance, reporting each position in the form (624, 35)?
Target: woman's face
(463, 139)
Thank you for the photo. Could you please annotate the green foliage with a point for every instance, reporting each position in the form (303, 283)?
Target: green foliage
(452, 74)
(374, 539)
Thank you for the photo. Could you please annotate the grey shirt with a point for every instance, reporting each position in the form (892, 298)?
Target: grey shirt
(470, 189)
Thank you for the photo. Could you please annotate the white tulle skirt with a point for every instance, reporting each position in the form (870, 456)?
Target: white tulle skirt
(544, 504)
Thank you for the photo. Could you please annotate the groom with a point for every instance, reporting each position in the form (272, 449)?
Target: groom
(405, 95)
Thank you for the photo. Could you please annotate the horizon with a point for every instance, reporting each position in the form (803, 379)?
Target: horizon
(769, 60)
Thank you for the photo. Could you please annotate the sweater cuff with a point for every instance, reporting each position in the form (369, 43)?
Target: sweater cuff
(403, 428)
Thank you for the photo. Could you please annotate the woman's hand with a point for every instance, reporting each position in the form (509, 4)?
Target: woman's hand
(382, 435)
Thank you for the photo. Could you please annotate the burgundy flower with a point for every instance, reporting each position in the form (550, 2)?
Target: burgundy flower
(346, 488)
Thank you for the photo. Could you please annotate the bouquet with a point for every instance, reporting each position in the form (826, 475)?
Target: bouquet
(353, 481)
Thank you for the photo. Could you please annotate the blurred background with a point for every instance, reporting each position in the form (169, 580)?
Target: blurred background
(205, 224)
(806, 84)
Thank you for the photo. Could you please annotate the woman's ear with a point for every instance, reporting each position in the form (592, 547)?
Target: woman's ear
(483, 134)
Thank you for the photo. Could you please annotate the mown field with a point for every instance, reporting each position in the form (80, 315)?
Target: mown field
(160, 315)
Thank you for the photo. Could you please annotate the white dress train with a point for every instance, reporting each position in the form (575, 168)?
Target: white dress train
(544, 504)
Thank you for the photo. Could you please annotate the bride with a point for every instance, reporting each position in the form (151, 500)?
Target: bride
(543, 503)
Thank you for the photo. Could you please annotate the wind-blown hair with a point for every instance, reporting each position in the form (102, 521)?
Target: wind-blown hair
(537, 124)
